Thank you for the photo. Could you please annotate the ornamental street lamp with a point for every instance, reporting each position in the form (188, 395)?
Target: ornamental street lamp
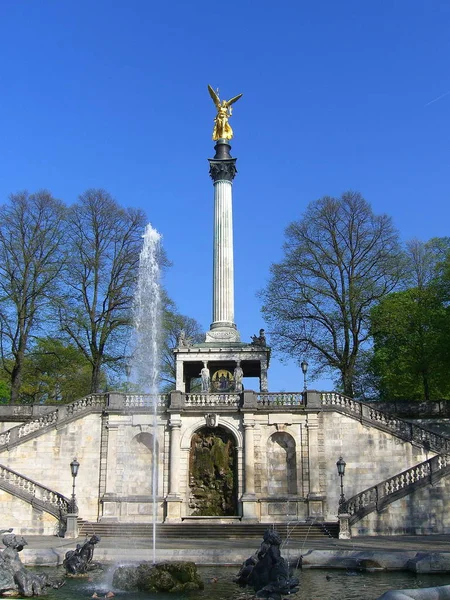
(74, 466)
(341, 472)
(304, 366)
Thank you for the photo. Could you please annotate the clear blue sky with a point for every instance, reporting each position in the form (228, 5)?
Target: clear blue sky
(337, 96)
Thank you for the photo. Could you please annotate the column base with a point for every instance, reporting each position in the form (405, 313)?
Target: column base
(222, 332)
(315, 506)
(250, 508)
(72, 526)
(173, 509)
(344, 527)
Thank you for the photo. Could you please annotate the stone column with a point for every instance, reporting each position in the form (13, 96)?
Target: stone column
(315, 498)
(249, 497)
(263, 385)
(110, 506)
(173, 500)
(180, 383)
(223, 171)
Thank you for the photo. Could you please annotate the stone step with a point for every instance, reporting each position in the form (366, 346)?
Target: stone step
(198, 530)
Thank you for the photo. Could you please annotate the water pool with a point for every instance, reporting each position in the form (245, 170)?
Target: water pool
(315, 584)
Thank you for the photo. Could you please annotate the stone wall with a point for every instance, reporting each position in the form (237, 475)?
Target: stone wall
(371, 456)
(46, 459)
(291, 469)
(424, 512)
(24, 518)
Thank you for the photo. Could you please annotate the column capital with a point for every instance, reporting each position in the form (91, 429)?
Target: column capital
(175, 421)
(222, 170)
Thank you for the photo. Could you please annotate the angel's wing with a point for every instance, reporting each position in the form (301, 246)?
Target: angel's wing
(214, 96)
(233, 100)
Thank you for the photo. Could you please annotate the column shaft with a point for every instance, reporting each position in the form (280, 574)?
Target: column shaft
(223, 280)
(174, 474)
(249, 459)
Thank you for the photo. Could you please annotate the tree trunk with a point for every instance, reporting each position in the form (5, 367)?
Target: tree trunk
(16, 378)
(347, 382)
(96, 373)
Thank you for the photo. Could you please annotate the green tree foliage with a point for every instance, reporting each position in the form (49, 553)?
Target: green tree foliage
(103, 244)
(55, 371)
(411, 328)
(339, 260)
(31, 259)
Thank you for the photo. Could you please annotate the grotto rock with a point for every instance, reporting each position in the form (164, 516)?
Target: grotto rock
(172, 577)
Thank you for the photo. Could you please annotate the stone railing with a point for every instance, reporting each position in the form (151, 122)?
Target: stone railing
(280, 399)
(382, 420)
(32, 492)
(402, 484)
(146, 400)
(62, 414)
(209, 400)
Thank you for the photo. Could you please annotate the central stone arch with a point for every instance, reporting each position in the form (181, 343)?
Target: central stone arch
(213, 466)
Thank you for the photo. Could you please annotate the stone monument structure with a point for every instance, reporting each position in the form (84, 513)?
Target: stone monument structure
(225, 453)
(222, 351)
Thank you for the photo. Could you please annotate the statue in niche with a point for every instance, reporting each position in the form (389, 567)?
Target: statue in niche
(222, 129)
(206, 377)
(259, 340)
(238, 376)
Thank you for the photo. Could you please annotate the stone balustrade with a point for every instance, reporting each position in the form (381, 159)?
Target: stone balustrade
(29, 490)
(270, 401)
(383, 420)
(146, 400)
(62, 414)
(293, 399)
(378, 496)
(211, 400)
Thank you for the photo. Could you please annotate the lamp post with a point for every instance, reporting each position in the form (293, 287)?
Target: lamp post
(304, 367)
(74, 466)
(341, 472)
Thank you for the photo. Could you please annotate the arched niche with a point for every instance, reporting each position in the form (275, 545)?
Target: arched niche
(140, 474)
(213, 482)
(281, 465)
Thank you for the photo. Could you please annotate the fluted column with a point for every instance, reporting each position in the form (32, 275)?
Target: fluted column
(223, 170)
(223, 277)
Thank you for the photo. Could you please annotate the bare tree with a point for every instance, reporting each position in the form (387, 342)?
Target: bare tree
(104, 241)
(31, 259)
(339, 259)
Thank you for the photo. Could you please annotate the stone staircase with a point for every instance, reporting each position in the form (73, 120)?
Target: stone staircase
(210, 531)
(368, 415)
(35, 494)
(369, 500)
(56, 418)
(377, 497)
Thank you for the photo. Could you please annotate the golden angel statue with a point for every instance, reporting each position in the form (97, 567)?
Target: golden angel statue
(222, 129)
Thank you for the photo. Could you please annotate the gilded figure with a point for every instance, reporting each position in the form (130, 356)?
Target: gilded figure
(222, 128)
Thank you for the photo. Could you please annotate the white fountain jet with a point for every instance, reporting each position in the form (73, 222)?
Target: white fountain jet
(147, 335)
(147, 315)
